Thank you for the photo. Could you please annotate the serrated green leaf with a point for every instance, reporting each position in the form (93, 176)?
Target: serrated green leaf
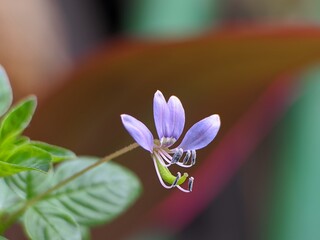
(18, 118)
(45, 222)
(98, 196)
(25, 158)
(5, 92)
(29, 184)
(58, 154)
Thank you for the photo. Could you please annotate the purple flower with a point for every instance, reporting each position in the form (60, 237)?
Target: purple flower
(169, 118)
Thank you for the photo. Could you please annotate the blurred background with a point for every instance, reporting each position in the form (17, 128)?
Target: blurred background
(252, 62)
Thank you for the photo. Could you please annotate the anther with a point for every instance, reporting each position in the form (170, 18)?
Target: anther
(176, 180)
(190, 183)
(176, 157)
(187, 157)
(193, 157)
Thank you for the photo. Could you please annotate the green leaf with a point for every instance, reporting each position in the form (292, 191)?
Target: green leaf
(25, 158)
(7, 169)
(45, 222)
(85, 233)
(31, 157)
(99, 195)
(29, 184)
(58, 154)
(18, 118)
(18, 141)
(8, 199)
(3, 238)
(10, 145)
(5, 92)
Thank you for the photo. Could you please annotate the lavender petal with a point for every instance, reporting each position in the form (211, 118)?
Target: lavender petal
(140, 133)
(160, 114)
(177, 117)
(201, 133)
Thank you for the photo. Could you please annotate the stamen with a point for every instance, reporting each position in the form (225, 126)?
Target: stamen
(193, 157)
(190, 183)
(159, 176)
(185, 160)
(190, 186)
(176, 157)
(176, 180)
(166, 153)
(187, 157)
(184, 165)
(156, 154)
(164, 157)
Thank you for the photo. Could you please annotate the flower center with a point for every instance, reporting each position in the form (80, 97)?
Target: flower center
(164, 157)
(167, 141)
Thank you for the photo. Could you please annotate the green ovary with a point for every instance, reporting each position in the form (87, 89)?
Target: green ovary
(167, 176)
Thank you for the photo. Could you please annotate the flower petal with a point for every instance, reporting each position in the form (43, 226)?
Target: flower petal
(201, 133)
(140, 133)
(177, 117)
(160, 114)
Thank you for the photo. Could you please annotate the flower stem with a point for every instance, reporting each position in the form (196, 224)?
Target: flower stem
(12, 218)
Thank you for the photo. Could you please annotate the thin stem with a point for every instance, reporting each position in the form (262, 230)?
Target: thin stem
(12, 219)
